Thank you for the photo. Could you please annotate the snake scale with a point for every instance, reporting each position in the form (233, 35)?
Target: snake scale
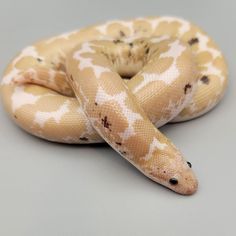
(119, 81)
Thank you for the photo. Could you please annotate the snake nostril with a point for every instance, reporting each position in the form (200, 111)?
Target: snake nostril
(189, 164)
(173, 181)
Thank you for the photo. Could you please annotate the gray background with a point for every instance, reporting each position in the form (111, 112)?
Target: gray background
(52, 189)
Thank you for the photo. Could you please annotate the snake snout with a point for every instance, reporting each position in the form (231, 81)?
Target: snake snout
(186, 184)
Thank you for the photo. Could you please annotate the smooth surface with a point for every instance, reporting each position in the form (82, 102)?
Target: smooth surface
(53, 189)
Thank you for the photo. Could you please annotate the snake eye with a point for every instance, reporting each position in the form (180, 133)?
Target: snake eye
(173, 181)
(189, 164)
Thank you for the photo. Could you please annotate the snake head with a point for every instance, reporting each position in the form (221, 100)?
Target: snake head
(171, 170)
(182, 181)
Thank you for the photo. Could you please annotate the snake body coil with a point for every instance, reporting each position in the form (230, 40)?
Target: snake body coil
(117, 82)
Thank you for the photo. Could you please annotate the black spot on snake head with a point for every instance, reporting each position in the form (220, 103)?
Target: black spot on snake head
(193, 41)
(187, 87)
(205, 79)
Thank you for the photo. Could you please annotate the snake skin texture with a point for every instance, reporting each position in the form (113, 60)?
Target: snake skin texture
(118, 82)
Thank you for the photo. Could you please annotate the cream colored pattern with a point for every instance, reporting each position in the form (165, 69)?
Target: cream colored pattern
(177, 73)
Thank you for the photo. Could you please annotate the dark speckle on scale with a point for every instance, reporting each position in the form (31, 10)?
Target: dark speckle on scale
(205, 79)
(193, 41)
(105, 123)
(187, 87)
(122, 34)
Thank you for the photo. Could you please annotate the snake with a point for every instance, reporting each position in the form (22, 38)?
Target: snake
(119, 82)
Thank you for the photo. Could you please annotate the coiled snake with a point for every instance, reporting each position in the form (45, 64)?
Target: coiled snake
(117, 82)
